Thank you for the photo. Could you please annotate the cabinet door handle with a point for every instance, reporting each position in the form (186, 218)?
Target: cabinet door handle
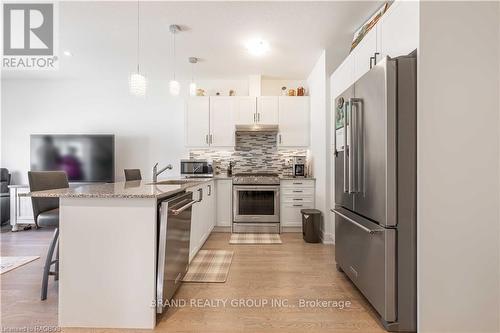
(297, 205)
(206, 138)
(209, 190)
(279, 136)
(211, 139)
(297, 191)
(298, 199)
(254, 117)
(200, 197)
(371, 62)
(258, 117)
(375, 58)
(297, 183)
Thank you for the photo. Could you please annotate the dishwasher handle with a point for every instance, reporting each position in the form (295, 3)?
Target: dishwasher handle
(183, 208)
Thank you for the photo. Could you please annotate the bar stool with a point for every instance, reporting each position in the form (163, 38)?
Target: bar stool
(46, 214)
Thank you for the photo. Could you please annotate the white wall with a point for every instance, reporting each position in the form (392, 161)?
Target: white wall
(147, 130)
(458, 167)
(318, 147)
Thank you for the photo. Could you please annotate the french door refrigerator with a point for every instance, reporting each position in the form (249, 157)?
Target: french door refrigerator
(375, 189)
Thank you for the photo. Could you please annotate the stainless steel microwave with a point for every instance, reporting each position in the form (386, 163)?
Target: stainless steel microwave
(196, 168)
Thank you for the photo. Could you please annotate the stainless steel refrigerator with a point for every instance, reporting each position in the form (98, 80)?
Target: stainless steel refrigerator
(375, 189)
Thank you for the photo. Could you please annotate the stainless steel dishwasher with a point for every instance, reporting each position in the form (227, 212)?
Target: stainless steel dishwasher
(174, 229)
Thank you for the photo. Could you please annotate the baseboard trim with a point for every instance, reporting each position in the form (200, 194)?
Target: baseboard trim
(291, 229)
(221, 229)
(327, 238)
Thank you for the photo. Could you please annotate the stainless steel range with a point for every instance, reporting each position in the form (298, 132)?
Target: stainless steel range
(256, 203)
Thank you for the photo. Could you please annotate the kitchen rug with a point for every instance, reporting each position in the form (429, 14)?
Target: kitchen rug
(209, 266)
(255, 239)
(9, 263)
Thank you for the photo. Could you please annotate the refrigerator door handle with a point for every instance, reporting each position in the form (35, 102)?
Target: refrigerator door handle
(351, 149)
(358, 153)
(359, 225)
(345, 148)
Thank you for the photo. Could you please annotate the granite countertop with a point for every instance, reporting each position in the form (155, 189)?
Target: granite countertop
(124, 190)
(283, 177)
(296, 178)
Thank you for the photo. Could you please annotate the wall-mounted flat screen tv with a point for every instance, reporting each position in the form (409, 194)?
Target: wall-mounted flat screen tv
(84, 158)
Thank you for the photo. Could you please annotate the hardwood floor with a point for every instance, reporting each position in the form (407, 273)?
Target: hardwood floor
(292, 271)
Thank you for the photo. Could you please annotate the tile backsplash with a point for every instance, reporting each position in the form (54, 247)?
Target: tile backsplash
(254, 152)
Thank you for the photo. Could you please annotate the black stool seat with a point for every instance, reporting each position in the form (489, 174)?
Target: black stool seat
(46, 214)
(49, 218)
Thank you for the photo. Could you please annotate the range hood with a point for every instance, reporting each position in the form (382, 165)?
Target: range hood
(257, 128)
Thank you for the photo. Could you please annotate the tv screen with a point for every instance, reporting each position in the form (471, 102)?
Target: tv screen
(84, 158)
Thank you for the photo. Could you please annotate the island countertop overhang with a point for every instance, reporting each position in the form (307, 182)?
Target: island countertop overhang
(135, 189)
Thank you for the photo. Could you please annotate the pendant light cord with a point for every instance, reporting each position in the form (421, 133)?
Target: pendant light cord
(138, 36)
(173, 37)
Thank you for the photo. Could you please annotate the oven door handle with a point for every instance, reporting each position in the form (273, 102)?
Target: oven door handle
(256, 187)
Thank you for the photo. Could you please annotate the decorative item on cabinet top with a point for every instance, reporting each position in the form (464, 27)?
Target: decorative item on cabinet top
(368, 25)
(203, 92)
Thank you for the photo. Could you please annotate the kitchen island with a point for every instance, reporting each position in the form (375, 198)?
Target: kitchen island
(108, 252)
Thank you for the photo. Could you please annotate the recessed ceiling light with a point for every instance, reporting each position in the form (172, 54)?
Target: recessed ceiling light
(67, 53)
(257, 47)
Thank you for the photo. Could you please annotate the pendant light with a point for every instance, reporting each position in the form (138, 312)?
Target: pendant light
(137, 82)
(192, 85)
(174, 85)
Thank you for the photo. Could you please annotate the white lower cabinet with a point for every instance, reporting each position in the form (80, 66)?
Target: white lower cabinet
(21, 210)
(296, 194)
(203, 216)
(224, 189)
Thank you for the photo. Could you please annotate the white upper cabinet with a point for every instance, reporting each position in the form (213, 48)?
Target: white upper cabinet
(397, 31)
(267, 110)
(343, 77)
(257, 110)
(395, 34)
(197, 121)
(246, 113)
(293, 121)
(222, 114)
(364, 52)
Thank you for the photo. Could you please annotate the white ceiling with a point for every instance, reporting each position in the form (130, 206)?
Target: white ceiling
(102, 38)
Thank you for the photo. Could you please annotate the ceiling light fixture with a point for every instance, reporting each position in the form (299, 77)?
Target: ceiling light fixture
(174, 85)
(257, 47)
(137, 82)
(192, 85)
(67, 53)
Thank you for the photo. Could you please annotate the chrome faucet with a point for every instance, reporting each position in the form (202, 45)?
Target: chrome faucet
(156, 173)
